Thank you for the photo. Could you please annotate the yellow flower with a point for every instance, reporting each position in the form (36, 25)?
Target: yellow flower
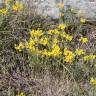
(43, 41)
(56, 31)
(3, 11)
(21, 94)
(6, 1)
(82, 20)
(55, 51)
(63, 34)
(17, 6)
(68, 55)
(67, 36)
(89, 57)
(19, 47)
(30, 44)
(55, 41)
(36, 33)
(92, 56)
(45, 53)
(50, 32)
(53, 31)
(93, 81)
(60, 5)
(83, 40)
(14, 8)
(86, 58)
(79, 51)
(61, 26)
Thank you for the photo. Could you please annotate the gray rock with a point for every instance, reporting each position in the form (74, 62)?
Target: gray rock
(85, 8)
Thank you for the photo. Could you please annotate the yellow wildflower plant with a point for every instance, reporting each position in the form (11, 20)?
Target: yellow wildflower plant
(36, 33)
(60, 5)
(45, 53)
(14, 8)
(30, 44)
(50, 32)
(43, 41)
(21, 94)
(56, 31)
(3, 11)
(79, 51)
(19, 47)
(89, 57)
(55, 50)
(93, 81)
(86, 58)
(17, 6)
(82, 20)
(6, 1)
(63, 34)
(53, 31)
(83, 40)
(61, 26)
(68, 55)
(67, 36)
(55, 41)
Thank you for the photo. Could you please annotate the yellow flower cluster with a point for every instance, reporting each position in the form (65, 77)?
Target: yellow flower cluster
(55, 50)
(55, 41)
(43, 41)
(68, 55)
(30, 44)
(19, 47)
(89, 57)
(53, 31)
(93, 81)
(67, 36)
(36, 33)
(6, 1)
(21, 94)
(13, 7)
(17, 6)
(79, 51)
(83, 40)
(61, 26)
(3, 11)
(46, 53)
(44, 45)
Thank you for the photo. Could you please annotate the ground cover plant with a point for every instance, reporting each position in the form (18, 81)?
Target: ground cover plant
(42, 56)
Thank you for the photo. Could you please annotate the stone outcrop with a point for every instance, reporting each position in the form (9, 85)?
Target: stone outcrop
(85, 8)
